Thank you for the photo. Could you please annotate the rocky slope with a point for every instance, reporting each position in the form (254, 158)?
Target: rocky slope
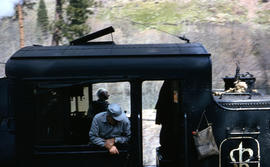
(232, 31)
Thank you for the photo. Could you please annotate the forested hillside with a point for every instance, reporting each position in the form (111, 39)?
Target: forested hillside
(231, 30)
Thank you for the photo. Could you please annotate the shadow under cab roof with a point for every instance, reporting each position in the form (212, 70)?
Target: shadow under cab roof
(105, 61)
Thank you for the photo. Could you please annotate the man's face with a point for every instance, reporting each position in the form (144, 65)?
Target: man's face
(111, 120)
(105, 95)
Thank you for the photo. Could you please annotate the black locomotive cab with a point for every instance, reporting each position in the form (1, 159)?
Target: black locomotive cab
(51, 90)
(53, 87)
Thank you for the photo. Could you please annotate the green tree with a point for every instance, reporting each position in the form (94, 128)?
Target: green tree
(42, 17)
(77, 14)
(58, 23)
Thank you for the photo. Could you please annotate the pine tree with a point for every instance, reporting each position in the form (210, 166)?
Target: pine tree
(42, 17)
(77, 14)
(58, 24)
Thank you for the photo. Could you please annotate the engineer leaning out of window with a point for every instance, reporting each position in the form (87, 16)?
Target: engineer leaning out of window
(110, 128)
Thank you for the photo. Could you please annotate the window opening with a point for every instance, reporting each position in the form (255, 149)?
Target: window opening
(162, 122)
(79, 100)
(62, 114)
(119, 93)
(150, 92)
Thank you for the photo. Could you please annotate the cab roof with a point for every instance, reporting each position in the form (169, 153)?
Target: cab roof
(109, 50)
(152, 61)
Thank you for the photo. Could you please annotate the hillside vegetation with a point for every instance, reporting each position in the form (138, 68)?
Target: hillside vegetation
(231, 30)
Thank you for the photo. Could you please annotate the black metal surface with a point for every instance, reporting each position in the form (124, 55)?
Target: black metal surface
(248, 78)
(136, 123)
(7, 126)
(4, 98)
(175, 60)
(250, 122)
(138, 50)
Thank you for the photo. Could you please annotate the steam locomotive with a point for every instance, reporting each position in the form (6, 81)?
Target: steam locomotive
(42, 122)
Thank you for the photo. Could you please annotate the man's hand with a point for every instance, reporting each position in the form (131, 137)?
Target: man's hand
(109, 143)
(114, 150)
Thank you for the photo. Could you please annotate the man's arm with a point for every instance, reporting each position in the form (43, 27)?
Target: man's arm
(126, 134)
(93, 134)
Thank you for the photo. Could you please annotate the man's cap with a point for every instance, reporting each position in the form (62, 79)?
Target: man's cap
(115, 111)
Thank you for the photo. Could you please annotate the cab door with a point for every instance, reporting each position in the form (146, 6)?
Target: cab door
(171, 119)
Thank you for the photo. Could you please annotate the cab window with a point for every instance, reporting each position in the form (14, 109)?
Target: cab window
(62, 113)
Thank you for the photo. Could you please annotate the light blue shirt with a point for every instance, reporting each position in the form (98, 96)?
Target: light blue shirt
(102, 130)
